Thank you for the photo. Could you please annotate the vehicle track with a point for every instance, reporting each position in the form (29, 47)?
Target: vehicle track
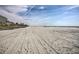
(40, 40)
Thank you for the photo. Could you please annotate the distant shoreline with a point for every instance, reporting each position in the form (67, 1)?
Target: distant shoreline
(57, 26)
(61, 26)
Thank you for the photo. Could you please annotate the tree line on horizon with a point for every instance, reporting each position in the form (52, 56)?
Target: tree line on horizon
(5, 24)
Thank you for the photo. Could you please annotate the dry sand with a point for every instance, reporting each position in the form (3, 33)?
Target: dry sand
(40, 40)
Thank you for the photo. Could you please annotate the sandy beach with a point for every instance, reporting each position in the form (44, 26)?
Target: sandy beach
(40, 40)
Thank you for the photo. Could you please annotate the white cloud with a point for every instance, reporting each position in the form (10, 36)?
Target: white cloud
(42, 7)
(29, 10)
(10, 13)
(69, 8)
(15, 9)
(72, 7)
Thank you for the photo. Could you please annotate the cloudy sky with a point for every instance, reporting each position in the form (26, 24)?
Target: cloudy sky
(40, 15)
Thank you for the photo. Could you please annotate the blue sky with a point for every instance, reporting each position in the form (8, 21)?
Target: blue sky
(44, 15)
